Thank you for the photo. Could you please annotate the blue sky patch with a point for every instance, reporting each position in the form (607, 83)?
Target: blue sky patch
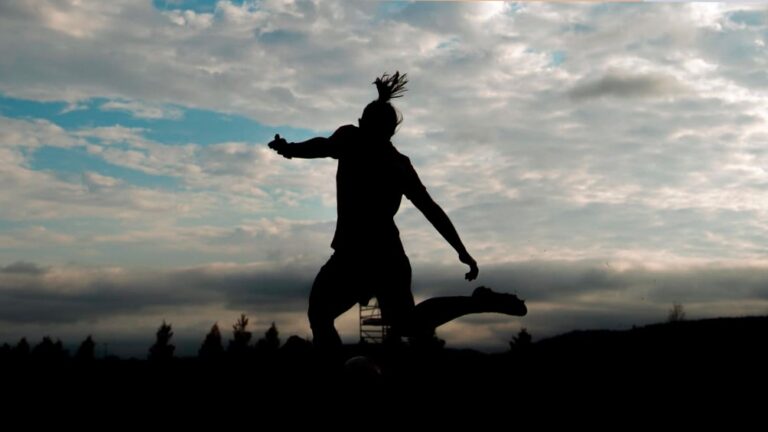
(578, 28)
(21, 108)
(513, 7)
(389, 8)
(89, 114)
(72, 162)
(209, 127)
(750, 18)
(195, 125)
(557, 58)
(199, 6)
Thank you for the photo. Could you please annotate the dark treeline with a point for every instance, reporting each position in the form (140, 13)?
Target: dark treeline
(239, 347)
(677, 356)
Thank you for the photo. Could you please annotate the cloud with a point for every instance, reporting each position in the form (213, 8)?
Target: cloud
(226, 181)
(73, 106)
(114, 134)
(32, 134)
(96, 182)
(70, 18)
(190, 18)
(143, 110)
(33, 237)
(640, 148)
(63, 295)
(626, 85)
(490, 122)
(269, 241)
(560, 295)
(23, 267)
(34, 195)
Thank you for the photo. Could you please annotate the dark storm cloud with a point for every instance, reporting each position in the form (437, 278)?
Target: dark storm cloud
(570, 282)
(275, 290)
(562, 296)
(533, 280)
(628, 85)
(23, 267)
(70, 295)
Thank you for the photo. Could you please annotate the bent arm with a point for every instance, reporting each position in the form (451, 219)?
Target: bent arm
(313, 148)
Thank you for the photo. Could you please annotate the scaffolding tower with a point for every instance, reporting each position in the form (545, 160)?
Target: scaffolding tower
(373, 329)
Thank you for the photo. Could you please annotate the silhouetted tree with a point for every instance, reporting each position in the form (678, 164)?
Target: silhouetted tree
(5, 351)
(48, 350)
(271, 339)
(523, 338)
(522, 341)
(21, 350)
(296, 345)
(87, 350)
(677, 313)
(239, 345)
(162, 350)
(212, 347)
(428, 342)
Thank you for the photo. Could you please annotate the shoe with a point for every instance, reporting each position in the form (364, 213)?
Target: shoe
(504, 303)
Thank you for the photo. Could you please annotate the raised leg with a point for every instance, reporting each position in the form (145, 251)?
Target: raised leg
(434, 312)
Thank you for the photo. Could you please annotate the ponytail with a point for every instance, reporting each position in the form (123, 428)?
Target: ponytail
(391, 86)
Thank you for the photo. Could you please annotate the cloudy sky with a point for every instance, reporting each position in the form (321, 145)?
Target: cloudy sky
(604, 161)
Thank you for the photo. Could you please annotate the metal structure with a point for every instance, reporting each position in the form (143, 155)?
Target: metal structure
(373, 329)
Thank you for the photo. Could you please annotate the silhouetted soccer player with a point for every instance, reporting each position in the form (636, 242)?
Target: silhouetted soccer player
(368, 259)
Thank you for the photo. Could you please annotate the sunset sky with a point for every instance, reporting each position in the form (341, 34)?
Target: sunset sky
(603, 161)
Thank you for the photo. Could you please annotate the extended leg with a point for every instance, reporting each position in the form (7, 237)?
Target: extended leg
(434, 312)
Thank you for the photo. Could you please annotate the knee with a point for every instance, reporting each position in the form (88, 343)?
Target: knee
(319, 318)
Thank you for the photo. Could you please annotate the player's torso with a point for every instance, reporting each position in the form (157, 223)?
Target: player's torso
(369, 193)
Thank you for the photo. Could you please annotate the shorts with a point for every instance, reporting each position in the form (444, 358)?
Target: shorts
(347, 279)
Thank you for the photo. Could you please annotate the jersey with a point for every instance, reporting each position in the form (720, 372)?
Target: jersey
(371, 179)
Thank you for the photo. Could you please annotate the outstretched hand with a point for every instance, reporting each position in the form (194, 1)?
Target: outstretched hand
(280, 145)
(473, 270)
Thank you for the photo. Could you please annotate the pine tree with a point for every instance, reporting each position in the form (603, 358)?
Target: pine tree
(48, 350)
(212, 347)
(522, 341)
(239, 345)
(21, 350)
(162, 350)
(87, 350)
(271, 339)
(5, 351)
(676, 314)
(428, 342)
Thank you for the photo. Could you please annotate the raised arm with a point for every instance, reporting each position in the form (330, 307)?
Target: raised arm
(313, 148)
(437, 217)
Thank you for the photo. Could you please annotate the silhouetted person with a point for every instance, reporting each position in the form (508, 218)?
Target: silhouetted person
(369, 260)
